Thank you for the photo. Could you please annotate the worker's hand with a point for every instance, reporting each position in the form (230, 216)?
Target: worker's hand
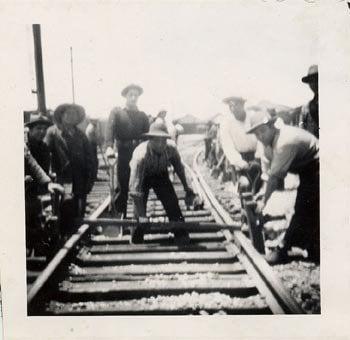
(110, 153)
(28, 179)
(243, 165)
(260, 195)
(260, 205)
(52, 187)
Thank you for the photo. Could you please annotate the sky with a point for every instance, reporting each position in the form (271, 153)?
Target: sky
(186, 56)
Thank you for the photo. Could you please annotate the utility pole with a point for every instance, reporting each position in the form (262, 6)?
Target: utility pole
(72, 73)
(39, 72)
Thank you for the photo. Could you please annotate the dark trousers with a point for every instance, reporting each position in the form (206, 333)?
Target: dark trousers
(304, 229)
(253, 172)
(207, 143)
(123, 177)
(165, 192)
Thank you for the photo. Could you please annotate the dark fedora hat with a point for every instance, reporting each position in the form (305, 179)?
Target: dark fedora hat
(38, 119)
(157, 129)
(70, 108)
(312, 74)
(132, 87)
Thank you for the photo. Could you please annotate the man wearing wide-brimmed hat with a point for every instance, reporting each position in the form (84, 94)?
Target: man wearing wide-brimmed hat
(71, 153)
(37, 127)
(149, 169)
(125, 127)
(291, 149)
(309, 119)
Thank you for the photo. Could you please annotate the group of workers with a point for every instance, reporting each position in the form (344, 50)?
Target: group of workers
(264, 147)
(146, 147)
(61, 157)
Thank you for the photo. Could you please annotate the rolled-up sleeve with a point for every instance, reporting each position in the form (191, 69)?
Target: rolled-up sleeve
(137, 170)
(110, 130)
(228, 147)
(35, 171)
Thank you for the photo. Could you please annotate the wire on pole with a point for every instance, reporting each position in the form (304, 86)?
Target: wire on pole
(72, 73)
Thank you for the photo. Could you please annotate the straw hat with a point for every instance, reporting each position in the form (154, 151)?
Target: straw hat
(259, 118)
(157, 129)
(63, 108)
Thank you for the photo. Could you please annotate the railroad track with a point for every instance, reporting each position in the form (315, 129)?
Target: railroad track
(218, 272)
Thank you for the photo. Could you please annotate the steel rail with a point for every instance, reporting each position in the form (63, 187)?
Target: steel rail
(269, 285)
(62, 254)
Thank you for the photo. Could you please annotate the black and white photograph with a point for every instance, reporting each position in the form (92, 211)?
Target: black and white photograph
(171, 160)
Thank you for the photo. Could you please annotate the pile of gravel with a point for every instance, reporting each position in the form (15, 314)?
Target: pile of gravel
(188, 301)
(303, 281)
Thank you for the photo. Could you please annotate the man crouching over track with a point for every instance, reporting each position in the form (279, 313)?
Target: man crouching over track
(149, 169)
(291, 149)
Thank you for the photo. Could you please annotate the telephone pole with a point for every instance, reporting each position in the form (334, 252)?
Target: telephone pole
(39, 72)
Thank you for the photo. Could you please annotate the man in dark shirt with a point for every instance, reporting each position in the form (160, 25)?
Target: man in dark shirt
(125, 126)
(291, 149)
(72, 159)
(36, 181)
(37, 126)
(309, 119)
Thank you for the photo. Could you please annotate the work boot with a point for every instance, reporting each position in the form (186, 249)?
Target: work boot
(277, 256)
(137, 236)
(181, 236)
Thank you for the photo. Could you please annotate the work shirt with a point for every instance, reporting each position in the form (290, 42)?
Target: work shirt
(34, 170)
(40, 152)
(126, 125)
(292, 149)
(309, 119)
(234, 139)
(72, 158)
(147, 163)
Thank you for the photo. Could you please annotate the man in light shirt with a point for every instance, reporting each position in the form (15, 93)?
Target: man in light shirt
(149, 170)
(238, 146)
(294, 150)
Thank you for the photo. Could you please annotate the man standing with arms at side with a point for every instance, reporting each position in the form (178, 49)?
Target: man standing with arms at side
(125, 126)
(308, 119)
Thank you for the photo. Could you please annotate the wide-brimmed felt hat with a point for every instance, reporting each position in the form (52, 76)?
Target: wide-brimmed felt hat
(63, 108)
(132, 87)
(235, 99)
(312, 74)
(157, 129)
(38, 119)
(259, 118)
